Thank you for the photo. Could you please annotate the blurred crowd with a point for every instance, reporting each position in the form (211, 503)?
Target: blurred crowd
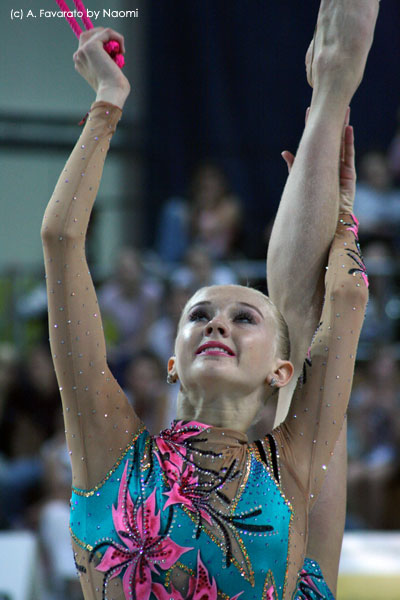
(141, 303)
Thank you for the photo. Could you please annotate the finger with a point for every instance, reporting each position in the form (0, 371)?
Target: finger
(349, 157)
(309, 61)
(88, 34)
(347, 117)
(101, 35)
(346, 122)
(110, 34)
(288, 157)
(348, 162)
(307, 115)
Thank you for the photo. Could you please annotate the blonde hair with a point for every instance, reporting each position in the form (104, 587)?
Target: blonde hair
(282, 331)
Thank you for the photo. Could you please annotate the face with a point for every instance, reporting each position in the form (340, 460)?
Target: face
(226, 339)
(210, 184)
(374, 169)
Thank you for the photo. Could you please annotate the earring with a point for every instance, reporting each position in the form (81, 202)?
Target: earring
(272, 383)
(171, 379)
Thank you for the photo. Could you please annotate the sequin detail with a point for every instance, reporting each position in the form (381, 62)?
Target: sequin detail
(91, 492)
(144, 546)
(312, 585)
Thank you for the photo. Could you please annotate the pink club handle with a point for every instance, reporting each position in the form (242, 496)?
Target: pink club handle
(73, 23)
(86, 21)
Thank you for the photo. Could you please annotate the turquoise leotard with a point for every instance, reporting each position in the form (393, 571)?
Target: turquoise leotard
(184, 479)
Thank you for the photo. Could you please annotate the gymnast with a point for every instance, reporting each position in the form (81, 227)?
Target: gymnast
(197, 512)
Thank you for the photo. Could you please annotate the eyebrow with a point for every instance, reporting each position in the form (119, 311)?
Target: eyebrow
(207, 302)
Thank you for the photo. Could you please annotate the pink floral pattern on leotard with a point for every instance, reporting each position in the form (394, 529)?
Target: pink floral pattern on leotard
(185, 490)
(175, 441)
(143, 550)
(201, 587)
(196, 488)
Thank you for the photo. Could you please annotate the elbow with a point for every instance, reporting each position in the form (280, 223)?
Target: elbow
(46, 232)
(358, 288)
(54, 230)
(354, 292)
(55, 238)
(50, 232)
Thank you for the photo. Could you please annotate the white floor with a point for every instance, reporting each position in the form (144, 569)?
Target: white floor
(19, 565)
(371, 553)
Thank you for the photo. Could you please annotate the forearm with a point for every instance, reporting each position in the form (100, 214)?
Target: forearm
(88, 390)
(68, 212)
(308, 212)
(302, 234)
(306, 220)
(328, 370)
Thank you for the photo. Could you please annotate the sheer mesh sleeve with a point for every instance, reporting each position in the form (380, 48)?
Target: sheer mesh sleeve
(99, 421)
(308, 435)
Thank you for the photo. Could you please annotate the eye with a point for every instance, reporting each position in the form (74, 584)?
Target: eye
(244, 316)
(199, 314)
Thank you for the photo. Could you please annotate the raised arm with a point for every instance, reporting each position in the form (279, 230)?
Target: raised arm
(315, 419)
(99, 421)
(306, 220)
(326, 522)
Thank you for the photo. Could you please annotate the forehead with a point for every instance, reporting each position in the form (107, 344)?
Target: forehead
(225, 295)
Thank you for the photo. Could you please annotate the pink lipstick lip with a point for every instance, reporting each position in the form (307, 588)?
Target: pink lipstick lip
(215, 345)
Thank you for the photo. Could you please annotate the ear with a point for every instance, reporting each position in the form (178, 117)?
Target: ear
(172, 368)
(282, 373)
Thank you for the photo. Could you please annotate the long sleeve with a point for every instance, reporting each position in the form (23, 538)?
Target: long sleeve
(99, 421)
(308, 435)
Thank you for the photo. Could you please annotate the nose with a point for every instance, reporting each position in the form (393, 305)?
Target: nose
(217, 325)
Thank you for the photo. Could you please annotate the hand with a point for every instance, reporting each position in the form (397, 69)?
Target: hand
(347, 171)
(341, 42)
(97, 67)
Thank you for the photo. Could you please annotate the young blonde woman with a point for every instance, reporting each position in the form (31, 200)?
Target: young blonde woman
(197, 512)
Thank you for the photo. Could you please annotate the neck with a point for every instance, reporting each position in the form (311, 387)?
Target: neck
(219, 410)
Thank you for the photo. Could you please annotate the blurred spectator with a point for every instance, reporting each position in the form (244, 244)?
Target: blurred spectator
(8, 373)
(215, 213)
(53, 519)
(162, 333)
(377, 202)
(173, 230)
(211, 217)
(199, 270)
(394, 153)
(374, 451)
(129, 302)
(383, 310)
(29, 418)
(145, 385)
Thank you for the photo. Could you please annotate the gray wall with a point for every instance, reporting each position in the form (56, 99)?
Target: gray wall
(37, 78)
